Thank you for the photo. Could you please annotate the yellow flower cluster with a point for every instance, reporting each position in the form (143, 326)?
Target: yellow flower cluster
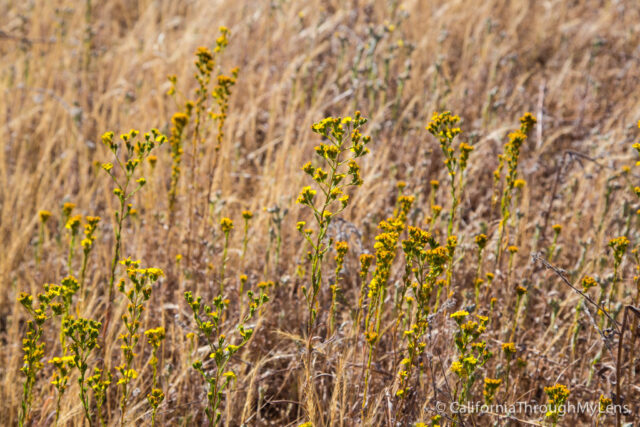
(67, 209)
(226, 225)
(443, 126)
(588, 282)
(490, 387)
(44, 215)
(73, 224)
(458, 316)
(557, 397)
(155, 336)
(481, 240)
(509, 349)
(179, 122)
(89, 232)
(619, 246)
(209, 321)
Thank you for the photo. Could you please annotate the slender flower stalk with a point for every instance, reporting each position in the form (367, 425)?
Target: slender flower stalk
(481, 242)
(99, 383)
(619, 246)
(509, 350)
(73, 225)
(179, 122)
(443, 126)
(426, 261)
(386, 248)
(137, 294)
(342, 136)
(226, 225)
(246, 216)
(60, 379)
(365, 265)
(83, 338)
(472, 352)
(136, 150)
(511, 158)
(209, 325)
(520, 292)
(44, 217)
(33, 347)
(87, 246)
(557, 228)
(341, 251)
(156, 396)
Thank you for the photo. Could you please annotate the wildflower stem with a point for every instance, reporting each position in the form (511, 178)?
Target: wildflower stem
(476, 281)
(40, 242)
(83, 396)
(506, 382)
(367, 374)
(83, 272)
(516, 313)
(72, 245)
(58, 400)
(245, 241)
(120, 215)
(363, 285)
(224, 261)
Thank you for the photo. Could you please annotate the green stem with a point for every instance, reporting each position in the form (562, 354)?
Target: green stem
(515, 318)
(116, 251)
(478, 272)
(245, 241)
(85, 259)
(83, 396)
(72, 245)
(224, 261)
(39, 244)
(58, 408)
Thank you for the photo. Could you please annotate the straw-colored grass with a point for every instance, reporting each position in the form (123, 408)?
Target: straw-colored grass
(68, 74)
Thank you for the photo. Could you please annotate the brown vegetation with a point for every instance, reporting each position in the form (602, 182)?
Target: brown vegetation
(71, 71)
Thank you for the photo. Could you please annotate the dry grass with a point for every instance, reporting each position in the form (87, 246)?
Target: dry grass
(575, 65)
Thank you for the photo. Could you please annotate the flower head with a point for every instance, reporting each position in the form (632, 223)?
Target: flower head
(226, 225)
(44, 216)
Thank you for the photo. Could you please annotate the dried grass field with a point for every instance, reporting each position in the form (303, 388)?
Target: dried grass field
(319, 213)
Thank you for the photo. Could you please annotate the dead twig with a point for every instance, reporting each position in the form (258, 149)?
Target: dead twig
(628, 309)
(559, 273)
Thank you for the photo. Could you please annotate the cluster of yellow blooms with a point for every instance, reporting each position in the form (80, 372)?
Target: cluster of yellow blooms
(557, 397)
(209, 321)
(83, 338)
(343, 136)
(619, 246)
(491, 386)
(511, 156)
(221, 93)
(588, 282)
(226, 225)
(444, 127)
(89, 232)
(44, 215)
(142, 279)
(179, 122)
(472, 353)
(341, 251)
(156, 396)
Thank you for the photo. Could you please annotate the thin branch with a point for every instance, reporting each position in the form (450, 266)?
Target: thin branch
(536, 257)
